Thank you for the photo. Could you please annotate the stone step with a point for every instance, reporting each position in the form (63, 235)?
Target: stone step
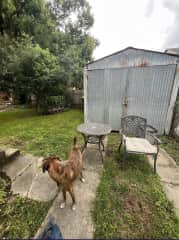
(11, 153)
(7, 155)
(2, 157)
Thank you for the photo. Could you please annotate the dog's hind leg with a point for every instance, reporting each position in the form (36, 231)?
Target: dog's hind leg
(73, 198)
(63, 204)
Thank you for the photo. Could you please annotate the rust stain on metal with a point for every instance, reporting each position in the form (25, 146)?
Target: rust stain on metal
(143, 63)
(124, 63)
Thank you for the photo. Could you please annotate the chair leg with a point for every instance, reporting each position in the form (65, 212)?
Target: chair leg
(120, 146)
(99, 146)
(123, 159)
(85, 142)
(102, 144)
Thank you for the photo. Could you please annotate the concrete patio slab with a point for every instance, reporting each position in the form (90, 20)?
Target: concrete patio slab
(43, 188)
(169, 175)
(23, 182)
(173, 194)
(18, 166)
(28, 179)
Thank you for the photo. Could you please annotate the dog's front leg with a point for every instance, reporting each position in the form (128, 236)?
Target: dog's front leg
(59, 186)
(63, 204)
(82, 177)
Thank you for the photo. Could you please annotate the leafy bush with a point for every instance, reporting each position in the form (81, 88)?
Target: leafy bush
(52, 102)
(35, 71)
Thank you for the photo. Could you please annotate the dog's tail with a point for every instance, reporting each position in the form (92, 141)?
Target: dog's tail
(75, 142)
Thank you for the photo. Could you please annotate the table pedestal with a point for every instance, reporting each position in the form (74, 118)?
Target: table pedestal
(94, 140)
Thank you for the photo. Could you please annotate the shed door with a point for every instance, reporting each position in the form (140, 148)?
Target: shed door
(95, 96)
(105, 96)
(148, 93)
(117, 87)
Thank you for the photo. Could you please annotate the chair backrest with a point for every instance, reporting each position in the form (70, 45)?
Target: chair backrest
(134, 126)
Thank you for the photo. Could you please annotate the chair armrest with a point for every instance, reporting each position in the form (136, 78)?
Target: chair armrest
(157, 140)
(153, 139)
(152, 129)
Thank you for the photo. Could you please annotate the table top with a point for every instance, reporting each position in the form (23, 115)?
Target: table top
(94, 129)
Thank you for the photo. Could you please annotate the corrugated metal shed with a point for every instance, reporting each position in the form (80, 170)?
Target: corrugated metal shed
(133, 57)
(132, 81)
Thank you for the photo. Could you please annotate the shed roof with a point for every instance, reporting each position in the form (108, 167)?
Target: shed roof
(137, 49)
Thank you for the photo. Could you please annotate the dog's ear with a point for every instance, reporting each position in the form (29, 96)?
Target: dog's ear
(45, 166)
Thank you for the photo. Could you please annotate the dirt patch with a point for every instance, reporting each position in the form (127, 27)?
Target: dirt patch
(138, 211)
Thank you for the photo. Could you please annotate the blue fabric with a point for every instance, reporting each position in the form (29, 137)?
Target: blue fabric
(51, 231)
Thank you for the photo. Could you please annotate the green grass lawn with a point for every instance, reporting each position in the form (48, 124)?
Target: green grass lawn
(41, 136)
(130, 202)
(171, 146)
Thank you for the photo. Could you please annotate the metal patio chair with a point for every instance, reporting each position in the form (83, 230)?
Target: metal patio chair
(134, 130)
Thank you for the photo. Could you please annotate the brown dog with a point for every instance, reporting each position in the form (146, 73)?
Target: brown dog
(65, 173)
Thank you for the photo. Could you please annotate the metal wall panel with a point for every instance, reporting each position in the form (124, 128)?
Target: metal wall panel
(118, 81)
(132, 57)
(95, 96)
(105, 95)
(149, 93)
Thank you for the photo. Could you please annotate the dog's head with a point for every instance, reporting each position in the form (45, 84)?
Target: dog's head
(45, 165)
(47, 162)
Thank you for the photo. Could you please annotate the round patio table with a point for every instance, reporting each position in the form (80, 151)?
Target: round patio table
(94, 133)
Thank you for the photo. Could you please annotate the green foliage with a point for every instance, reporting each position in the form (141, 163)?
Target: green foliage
(2, 190)
(74, 59)
(75, 19)
(131, 202)
(37, 36)
(21, 217)
(31, 71)
(10, 51)
(72, 15)
(19, 16)
(36, 73)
